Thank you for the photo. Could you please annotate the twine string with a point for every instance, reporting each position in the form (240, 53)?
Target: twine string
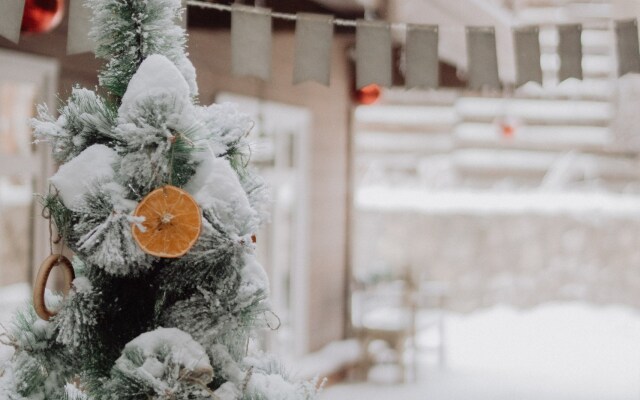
(57, 239)
(340, 22)
(274, 328)
(276, 15)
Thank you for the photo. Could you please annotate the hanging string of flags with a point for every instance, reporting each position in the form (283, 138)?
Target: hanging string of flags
(251, 39)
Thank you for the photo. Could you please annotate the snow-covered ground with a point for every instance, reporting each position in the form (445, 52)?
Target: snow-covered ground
(468, 202)
(560, 351)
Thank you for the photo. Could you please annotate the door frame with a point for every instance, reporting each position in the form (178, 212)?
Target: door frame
(299, 285)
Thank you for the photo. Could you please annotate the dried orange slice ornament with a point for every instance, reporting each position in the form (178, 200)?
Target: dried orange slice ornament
(172, 221)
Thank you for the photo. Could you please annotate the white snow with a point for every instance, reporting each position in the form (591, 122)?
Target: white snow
(74, 179)
(82, 285)
(272, 387)
(188, 71)
(184, 350)
(227, 391)
(222, 124)
(534, 109)
(327, 361)
(12, 194)
(153, 366)
(485, 202)
(74, 393)
(254, 278)
(216, 185)
(118, 193)
(156, 76)
(557, 351)
(216, 181)
(11, 298)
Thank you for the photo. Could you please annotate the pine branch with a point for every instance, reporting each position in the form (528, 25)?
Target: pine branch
(128, 31)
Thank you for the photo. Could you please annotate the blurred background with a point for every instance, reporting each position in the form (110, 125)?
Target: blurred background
(441, 244)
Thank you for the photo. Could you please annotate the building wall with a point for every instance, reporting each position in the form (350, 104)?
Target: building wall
(330, 107)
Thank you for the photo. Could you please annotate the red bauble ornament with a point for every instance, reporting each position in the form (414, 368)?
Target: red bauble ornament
(41, 15)
(507, 130)
(368, 94)
(507, 126)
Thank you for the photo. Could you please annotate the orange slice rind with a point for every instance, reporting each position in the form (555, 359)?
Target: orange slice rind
(172, 222)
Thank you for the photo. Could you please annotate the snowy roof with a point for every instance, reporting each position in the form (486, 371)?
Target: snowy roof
(378, 198)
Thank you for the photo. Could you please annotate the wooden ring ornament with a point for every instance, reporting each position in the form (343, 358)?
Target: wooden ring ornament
(41, 282)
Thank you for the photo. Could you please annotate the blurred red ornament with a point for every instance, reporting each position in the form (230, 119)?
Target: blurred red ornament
(507, 126)
(368, 94)
(508, 130)
(41, 15)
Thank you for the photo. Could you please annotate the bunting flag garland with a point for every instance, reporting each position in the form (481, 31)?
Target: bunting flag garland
(628, 51)
(78, 40)
(373, 53)
(314, 38)
(527, 43)
(11, 19)
(570, 51)
(251, 41)
(422, 67)
(482, 58)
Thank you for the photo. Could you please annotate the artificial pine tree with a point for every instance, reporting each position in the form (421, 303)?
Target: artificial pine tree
(155, 199)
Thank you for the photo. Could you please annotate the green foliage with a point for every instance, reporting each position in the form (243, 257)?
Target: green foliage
(127, 31)
(154, 152)
(61, 216)
(181, 164)
(30, 375)
(40, 364)
(129, 312)
(85, 119)
(102, 234)
(239, 153)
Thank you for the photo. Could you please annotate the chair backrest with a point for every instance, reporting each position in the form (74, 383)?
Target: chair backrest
(384, 304)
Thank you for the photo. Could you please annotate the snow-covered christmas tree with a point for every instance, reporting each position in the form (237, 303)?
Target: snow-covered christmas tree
(155, 198)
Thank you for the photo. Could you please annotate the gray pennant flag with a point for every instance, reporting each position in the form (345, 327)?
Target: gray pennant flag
(628, 52)
(251, 41)
(78, 40)
(373, 53)
(314, 37)
(527, 46)
(11, 18)
(422, 56)
(482, 58)
(570, 51)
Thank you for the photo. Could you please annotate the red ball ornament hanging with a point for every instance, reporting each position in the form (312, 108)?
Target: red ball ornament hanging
(41, 16)
(368, 94)
(507, 126)
(507, 130)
